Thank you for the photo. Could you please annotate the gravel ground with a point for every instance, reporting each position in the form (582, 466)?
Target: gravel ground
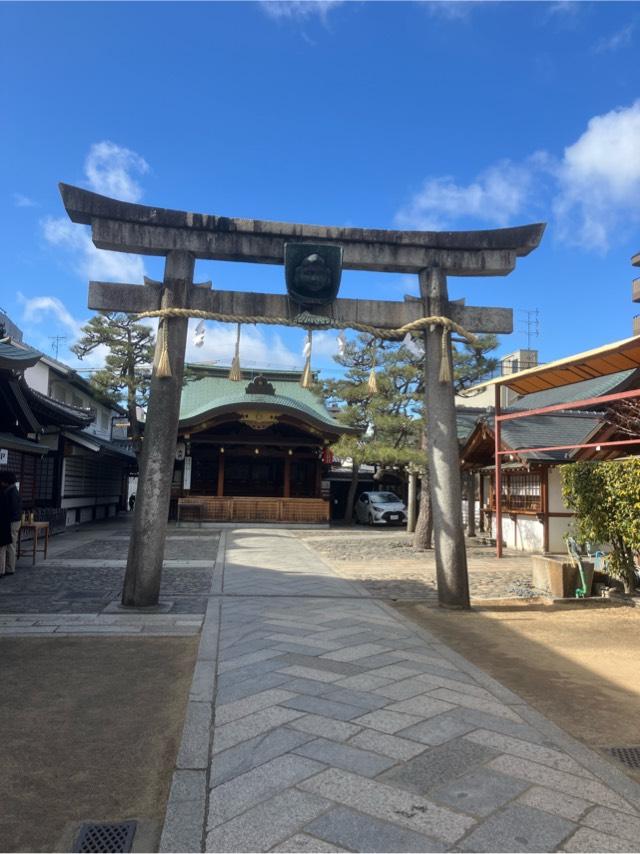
(388, 566)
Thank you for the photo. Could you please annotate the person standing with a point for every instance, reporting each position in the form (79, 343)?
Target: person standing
(5, 526)
(10, 512)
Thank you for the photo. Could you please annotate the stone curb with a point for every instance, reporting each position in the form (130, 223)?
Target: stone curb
(185, 817)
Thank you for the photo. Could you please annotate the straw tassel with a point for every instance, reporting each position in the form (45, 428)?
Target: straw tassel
(307, 378)
(235, 373)
(372, 382)
(446, 371)
(163, 366)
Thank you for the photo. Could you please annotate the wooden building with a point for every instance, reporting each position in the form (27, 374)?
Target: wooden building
(253, 450)
(535, 516)
(68, 467)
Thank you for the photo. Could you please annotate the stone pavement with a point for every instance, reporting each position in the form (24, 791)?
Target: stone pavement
(77, 589)
(321, 720)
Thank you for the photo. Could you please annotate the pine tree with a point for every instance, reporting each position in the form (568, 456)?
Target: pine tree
(391, 423)
(126, 375)
(388, 418)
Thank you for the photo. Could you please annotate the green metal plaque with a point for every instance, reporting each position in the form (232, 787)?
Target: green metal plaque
(312, 272)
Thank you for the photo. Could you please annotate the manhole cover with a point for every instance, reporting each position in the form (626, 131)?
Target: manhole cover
(629, 756)
(106, 838)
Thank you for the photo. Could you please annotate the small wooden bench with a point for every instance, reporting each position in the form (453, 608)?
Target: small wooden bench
(36, 528)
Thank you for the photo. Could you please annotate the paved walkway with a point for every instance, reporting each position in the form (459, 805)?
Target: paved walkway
(321, 720)
(77, 590)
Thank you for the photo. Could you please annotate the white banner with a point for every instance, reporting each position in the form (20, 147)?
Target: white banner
(186, 476)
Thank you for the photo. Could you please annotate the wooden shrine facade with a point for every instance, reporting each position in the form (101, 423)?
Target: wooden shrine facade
(255, 450)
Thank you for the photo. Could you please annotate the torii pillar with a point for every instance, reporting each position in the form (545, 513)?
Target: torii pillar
(182, 237)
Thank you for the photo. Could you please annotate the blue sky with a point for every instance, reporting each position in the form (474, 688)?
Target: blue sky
(405, 115)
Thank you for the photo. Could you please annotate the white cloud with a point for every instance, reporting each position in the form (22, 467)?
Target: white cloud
(22, 201)
(599, 180)
(299, 9)
(325, 344)
(36, 310)
(46, 314)
(258, 347)
(563, 13)
(496, 196)
(592, 191)
(110, 168)
(449, 10)
(619, 39)
(88, 261)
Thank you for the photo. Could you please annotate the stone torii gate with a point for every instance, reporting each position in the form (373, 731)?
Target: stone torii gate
(182, 237)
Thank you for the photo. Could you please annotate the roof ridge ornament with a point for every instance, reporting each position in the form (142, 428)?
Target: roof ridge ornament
(260, 385)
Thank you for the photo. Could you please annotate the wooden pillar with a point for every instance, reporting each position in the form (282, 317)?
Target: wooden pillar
(411, 502)
(443, 453)
(498, 479)
(471, 503)
(146, 546)
(481, 499)
(544, 507)
(286, 486)
(318, 479)
(220, 486)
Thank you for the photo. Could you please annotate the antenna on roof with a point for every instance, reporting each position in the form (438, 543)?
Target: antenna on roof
(55, 343)
(529, 319)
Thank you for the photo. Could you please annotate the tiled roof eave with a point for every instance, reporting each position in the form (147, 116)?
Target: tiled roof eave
(63, 414)
(276, 404)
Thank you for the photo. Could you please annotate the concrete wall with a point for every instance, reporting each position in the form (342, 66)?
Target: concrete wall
(558, 525)
(524, 533)
(37, 377)
(556, 501)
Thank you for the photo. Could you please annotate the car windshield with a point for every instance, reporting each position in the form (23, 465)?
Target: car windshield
(385, 498)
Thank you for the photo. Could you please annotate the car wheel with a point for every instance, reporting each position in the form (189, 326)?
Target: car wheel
(370, 520)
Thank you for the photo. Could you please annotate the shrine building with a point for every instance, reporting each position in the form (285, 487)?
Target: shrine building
(252, 450)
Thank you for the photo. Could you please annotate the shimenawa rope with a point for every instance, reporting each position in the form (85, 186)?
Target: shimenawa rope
(310, 322)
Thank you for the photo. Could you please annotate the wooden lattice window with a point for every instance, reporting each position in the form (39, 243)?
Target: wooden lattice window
(521, 492)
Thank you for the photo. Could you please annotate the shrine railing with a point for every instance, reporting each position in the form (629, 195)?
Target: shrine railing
(207, 508)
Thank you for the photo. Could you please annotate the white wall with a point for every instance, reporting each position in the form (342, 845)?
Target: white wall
(43, 379)
(556, 501)
(37, 377)
(525, 534)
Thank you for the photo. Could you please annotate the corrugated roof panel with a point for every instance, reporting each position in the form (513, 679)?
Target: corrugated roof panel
(608, 359)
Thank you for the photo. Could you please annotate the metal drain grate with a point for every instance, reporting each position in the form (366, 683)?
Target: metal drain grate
(105, 838)
(629, 756)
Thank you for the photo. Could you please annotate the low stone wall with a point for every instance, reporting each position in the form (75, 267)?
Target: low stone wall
(558, 576)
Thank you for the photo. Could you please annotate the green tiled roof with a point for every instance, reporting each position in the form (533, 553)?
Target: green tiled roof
(571, 393)
(214, 391)
(19, 358)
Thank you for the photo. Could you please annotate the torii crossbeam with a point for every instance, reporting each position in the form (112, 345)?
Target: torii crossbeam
(182, 237)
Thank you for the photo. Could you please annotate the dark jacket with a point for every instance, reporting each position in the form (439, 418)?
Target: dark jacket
(5, 520)
(14, 503)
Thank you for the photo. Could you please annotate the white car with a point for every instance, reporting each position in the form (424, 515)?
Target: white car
(380, 508)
